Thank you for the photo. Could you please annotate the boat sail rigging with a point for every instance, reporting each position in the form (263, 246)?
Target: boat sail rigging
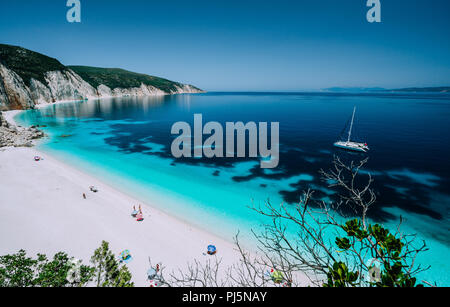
(349, 144)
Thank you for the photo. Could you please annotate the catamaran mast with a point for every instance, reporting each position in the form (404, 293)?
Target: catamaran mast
(351, 125)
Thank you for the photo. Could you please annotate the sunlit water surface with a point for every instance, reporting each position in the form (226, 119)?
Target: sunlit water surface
(126, 143)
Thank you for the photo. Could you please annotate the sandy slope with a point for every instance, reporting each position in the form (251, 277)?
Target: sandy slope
(42, 210)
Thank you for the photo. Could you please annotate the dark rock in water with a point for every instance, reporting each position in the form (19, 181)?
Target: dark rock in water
(216, 173)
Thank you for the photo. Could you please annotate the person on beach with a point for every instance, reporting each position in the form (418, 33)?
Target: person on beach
(84, 195)
(134, 213)
(140, 216)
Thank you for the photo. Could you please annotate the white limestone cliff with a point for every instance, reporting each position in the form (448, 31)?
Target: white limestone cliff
(13, 92)
(65, 85)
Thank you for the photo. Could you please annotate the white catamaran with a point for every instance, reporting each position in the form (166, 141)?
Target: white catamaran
(350, 145)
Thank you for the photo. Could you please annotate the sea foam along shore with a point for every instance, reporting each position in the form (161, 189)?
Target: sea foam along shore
(42, 211)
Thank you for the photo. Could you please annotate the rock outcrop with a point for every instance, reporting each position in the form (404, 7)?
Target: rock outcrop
(13, 136)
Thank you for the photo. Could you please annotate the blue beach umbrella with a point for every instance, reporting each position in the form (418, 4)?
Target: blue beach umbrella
(212, 249)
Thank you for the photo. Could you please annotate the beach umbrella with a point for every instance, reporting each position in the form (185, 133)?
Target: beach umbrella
(151, 273)
(125, 256)
(140, 217)
(277, 277)
(212, 249)
(134, 213)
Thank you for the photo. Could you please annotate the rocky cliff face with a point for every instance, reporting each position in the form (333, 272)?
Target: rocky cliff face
(144, 90)
(58, 85)
(13, 92)
(65, 86)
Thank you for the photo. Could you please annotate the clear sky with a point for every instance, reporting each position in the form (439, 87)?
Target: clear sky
(244, 45)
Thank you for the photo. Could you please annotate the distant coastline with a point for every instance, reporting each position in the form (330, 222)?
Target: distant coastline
(438, 89)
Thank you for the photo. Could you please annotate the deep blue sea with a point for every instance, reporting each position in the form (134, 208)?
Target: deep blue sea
(126, 143)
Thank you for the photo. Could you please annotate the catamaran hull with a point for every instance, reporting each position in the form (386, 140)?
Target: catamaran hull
(352, 147)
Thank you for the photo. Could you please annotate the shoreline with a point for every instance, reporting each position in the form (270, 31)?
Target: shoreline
(49, 199)
(108, 203)
(9, 117)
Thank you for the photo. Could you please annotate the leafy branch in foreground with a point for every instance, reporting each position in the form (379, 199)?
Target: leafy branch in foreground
(108, 271)
(316, 240)
(19, 270)
(338, 253)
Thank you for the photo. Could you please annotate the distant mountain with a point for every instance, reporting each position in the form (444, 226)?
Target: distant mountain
(28, 78)
(353, 89)
(441, 89)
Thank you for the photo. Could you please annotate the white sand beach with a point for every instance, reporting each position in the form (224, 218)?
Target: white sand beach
(42, 210)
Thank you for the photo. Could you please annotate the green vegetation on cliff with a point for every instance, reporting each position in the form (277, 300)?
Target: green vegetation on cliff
(120, 78)
(28, 64)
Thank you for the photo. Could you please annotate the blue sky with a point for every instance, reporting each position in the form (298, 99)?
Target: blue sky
(247, 44)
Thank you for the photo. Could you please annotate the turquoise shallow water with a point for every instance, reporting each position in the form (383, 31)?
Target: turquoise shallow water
(126, 143)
